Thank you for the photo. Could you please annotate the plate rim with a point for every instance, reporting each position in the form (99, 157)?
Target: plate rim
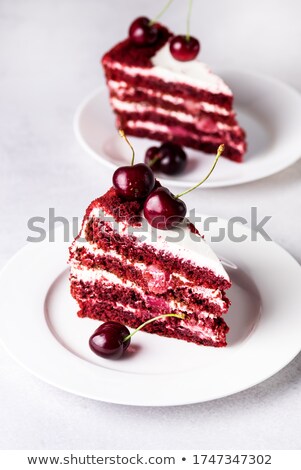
(101, 158)
(75, 359)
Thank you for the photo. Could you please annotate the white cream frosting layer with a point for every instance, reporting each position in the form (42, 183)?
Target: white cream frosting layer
(192, 72)
(200, 123)
(179, 241)
(157, 127)
(107, 278)
(166, 68)
(85, 274)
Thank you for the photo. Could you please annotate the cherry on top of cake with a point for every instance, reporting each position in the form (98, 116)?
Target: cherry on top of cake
(125, 210)
(145, 38)
(172, 53)
(129, 53)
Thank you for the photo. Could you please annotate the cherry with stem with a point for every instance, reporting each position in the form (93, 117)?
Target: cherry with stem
(134, 181)
(163, 210)
(185, 47)
(111, 339)
(144, 32)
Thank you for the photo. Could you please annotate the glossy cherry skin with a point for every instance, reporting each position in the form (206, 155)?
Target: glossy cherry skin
(170, 158)
(151, 154)
(163, 210)
(183, 49)
(108, 340)
(134, 182)
(142, 33)
(173, 159)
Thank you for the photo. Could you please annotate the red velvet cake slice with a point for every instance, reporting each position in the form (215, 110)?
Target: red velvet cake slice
(124, 270)
(159, 97)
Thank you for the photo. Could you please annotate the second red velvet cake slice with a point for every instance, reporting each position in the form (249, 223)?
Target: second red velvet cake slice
(156, 96)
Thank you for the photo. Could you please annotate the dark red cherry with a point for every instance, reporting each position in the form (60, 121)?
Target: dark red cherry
(108, 340)
(152, 158)
(170, 158)
(142, 33)
(173, 159)
(163, 210)
(184, 49)
(134, 182)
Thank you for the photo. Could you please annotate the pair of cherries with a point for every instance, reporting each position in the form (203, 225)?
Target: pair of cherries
(161, 208)
(144, 32)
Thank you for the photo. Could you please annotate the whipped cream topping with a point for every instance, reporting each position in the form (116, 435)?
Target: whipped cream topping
(192, 72)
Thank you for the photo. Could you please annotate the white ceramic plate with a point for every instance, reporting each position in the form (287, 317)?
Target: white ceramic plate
(269, 111)
(40, 328)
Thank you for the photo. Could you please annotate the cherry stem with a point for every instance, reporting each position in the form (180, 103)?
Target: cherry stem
(161, 13)
(154, 160)
(188, 21)
(122, 134)
(151, 320)
(219, 152)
